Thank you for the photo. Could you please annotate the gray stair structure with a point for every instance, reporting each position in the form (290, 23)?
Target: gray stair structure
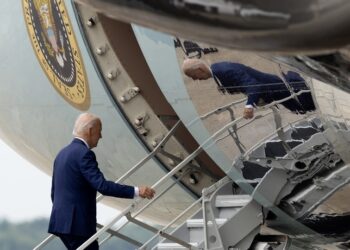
(274, 149)
(228, 209)
(230, 219)
(237, 216)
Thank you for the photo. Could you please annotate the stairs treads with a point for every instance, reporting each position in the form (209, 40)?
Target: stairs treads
(303, 133)
(252, 171)
(274, 149)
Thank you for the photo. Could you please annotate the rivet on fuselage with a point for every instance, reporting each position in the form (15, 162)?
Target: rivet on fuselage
(122, 99)
(111, 75)
(154, 143)
(193, 179)
(91, 21)
(101, 50)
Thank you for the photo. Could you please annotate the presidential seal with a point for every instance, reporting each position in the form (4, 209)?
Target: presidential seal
(56, 48)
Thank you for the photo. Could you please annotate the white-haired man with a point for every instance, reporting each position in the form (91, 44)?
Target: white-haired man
(236, 77)
(75, 182)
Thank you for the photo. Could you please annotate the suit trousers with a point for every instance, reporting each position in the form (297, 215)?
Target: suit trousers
(72, 242)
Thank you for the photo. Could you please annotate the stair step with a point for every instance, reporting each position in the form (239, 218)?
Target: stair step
(191, 223)
(232, 200)
(303, 133)
(274, 149)
(170, 246)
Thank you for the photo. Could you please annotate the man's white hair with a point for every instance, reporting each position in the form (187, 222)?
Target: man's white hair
(84, 122)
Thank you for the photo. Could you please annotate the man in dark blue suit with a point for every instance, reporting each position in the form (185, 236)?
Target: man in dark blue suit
(235, 77)
(75, 182)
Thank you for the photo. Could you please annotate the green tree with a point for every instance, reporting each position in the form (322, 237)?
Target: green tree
(26, 235)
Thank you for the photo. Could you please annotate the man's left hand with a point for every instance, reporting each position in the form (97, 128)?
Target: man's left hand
(248, 113)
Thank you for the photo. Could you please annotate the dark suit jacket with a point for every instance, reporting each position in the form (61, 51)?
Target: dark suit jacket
(76, 177)
(236, 77)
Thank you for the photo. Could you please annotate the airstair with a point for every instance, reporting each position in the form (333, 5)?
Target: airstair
(218, 225)
(232, 213)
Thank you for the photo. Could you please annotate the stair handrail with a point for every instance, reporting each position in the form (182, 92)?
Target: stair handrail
(46, 241)
(234, 103)
(271, 134)
(266, 107)
(282, 100)
(175, 169)
(256, 117)
(215, 111)
(108, 237)
(149, 156)
(212, 188)
(259, 108)
(124, 176)
(153, 200)
(145, 159)
(272, 104)
(119, 235)
(172, 222)
(238, 119)
(161, 181)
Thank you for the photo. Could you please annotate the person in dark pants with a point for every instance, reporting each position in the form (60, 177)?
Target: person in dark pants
(75, 182)
(235, 77)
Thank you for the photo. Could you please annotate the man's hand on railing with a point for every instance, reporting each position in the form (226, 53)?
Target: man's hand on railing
(146, 192)
(248, 113)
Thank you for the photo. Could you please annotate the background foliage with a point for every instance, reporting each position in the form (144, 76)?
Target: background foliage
(26, 235)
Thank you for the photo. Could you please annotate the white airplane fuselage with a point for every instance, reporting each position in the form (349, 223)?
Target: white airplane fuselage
(61, 58)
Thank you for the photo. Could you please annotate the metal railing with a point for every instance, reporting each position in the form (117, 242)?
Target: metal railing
(160, 182)
(126, 175)
(148, 157)
(207, 143)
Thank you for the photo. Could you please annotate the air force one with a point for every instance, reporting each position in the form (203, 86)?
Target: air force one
(277, 181)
